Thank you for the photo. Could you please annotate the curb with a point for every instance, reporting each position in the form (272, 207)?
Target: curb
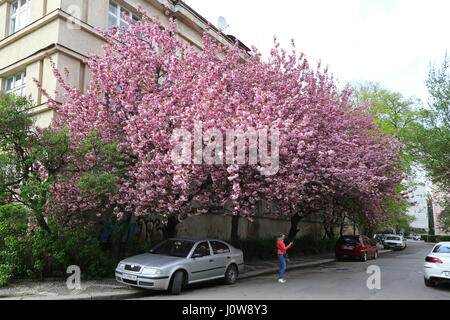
(84, 296)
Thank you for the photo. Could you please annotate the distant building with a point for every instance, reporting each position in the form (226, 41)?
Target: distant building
(419, 208)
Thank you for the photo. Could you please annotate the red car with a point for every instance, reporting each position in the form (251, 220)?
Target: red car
(355, 246)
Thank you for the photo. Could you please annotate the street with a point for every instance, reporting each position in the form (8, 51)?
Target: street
(401, 278)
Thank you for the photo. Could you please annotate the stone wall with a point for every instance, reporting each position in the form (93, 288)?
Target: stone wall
(219, 226)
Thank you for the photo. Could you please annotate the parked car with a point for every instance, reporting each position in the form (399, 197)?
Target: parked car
(355, 246)
(437, 265)
(413, 237)
(396, 242)
(175, 263)
(383, 237)
(380, 237)
(377, 236)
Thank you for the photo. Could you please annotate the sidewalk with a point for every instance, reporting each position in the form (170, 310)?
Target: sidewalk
(109, 289)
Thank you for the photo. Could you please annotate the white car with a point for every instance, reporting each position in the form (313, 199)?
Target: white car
(395, 242)
(437, 265)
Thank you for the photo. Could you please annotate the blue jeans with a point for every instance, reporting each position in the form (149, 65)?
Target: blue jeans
(282, 265)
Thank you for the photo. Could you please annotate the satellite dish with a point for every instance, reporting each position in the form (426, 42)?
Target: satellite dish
(222, 23)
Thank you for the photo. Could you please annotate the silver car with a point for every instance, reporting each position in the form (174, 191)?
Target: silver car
(174, 263)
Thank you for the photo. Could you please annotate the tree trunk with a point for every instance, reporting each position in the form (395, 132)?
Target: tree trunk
(42, 223)
(170, 230)
(341, 229)
(329, 232)
(295, 219)
(235, 227)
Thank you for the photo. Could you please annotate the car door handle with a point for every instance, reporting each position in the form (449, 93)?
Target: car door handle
(228, 257)
(211, 260)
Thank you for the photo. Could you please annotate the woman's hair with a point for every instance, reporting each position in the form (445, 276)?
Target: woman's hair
(280, 234)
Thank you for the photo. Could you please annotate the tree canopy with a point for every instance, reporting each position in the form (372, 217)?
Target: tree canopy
(148, 84)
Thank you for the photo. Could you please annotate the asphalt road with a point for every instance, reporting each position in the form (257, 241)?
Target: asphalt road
(401, 277)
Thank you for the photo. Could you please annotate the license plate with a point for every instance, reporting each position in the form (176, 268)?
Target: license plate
(129, 277)
(348, 247)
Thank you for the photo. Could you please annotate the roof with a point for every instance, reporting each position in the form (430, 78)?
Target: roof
(230, 38)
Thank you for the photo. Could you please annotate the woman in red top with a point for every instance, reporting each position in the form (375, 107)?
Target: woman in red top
(281, 251)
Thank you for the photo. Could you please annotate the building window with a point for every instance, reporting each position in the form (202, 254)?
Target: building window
(16, 84)
(115, 16)
(19, 15)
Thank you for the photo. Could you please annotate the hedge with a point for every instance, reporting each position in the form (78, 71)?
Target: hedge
(430, 238)
(266, 249)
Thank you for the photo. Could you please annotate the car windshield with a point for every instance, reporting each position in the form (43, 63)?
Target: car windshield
(176, 248)
(393, 238)
(350, 240)
(442, 248)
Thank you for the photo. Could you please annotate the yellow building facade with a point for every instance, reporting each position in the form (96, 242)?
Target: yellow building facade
(65, 30)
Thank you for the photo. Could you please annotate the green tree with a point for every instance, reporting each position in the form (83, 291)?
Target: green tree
(30, 158)
(432, 139)
(393, 113)
(396, 115)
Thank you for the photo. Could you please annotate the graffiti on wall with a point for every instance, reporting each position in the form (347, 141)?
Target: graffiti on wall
(151, 230)
(143, 229)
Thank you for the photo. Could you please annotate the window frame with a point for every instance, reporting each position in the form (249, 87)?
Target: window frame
(214, 242)
(198, 246)
(21, 88)
(119, 20)
(16, 16)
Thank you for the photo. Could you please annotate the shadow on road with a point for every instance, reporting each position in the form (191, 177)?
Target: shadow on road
(195, 286)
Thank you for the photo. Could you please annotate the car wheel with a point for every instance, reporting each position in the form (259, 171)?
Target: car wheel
(364, 258)
(176, 283)
(429, 282)
(231, 274)
(338, 257)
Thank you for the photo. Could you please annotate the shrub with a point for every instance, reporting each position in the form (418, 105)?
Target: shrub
(436, 238)
(5, 274)
(13, 222)
(41, 254)
(13, 226)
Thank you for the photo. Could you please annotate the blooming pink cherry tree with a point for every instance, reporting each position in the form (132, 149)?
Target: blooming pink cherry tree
(148, 84)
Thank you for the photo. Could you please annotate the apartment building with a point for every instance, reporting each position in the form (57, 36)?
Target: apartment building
(32, 30)
(419, 208)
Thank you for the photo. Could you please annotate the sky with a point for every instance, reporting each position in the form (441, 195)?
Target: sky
(388, 41)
